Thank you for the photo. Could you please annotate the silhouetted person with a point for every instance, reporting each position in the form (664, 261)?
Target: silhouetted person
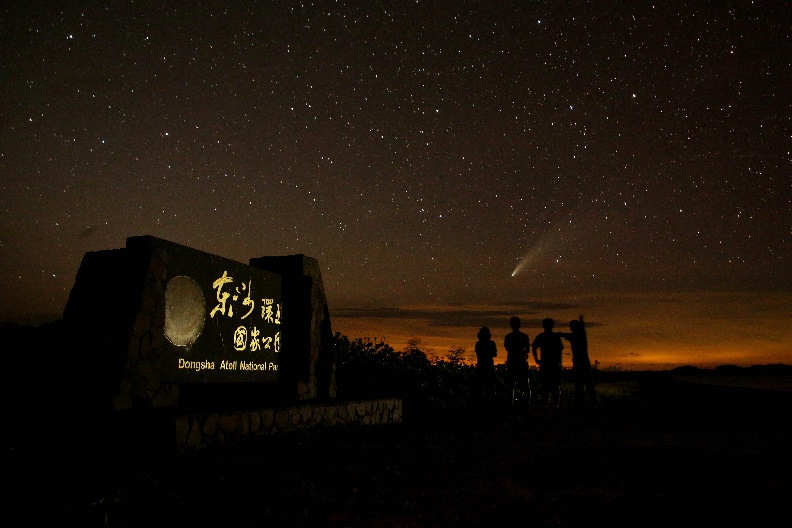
(581, 364)
(549, 345)
(517, 345)
(486, 350)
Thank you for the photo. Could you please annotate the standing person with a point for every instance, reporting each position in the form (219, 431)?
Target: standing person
(486, 350)
(517, 345)
(581, 364)
(549, 361)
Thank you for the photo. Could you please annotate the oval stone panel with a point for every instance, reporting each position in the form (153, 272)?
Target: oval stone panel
(185, 311)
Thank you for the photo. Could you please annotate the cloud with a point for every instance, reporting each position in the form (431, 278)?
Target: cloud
(460, 316)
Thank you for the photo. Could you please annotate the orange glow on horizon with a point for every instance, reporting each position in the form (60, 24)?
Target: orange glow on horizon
(626, 332)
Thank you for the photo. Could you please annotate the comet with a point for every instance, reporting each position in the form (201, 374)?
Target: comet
(544, 243)
(530, 257)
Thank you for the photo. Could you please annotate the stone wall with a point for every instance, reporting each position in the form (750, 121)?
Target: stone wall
(311, 366)
(197, 431)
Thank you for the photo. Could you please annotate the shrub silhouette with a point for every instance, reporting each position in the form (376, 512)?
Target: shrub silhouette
(367, 368)
(429, 388)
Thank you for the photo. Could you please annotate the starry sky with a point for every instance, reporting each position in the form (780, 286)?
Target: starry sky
(449, 164)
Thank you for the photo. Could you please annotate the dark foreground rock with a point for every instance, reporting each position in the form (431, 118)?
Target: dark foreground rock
(669, 452)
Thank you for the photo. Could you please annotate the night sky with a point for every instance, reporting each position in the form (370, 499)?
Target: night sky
(449, 164)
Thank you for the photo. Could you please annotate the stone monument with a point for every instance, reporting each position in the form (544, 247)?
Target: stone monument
(206, 347)
(169, 325)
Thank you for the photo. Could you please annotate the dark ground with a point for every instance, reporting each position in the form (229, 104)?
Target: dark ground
(660, 452)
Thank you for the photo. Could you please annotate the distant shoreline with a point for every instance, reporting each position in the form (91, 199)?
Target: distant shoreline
(777, 377)
(764, 377)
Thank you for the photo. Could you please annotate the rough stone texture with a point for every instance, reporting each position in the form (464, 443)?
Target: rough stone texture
(196, 431)
(313, 370)
(147, 345)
